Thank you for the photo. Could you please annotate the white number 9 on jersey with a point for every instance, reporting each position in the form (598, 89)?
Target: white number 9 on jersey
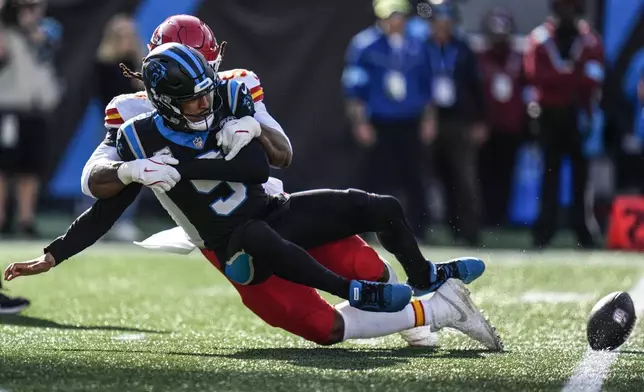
(226, 206)
(223, 206)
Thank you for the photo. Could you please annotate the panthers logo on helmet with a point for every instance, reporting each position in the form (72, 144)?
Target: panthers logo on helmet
(154, 72)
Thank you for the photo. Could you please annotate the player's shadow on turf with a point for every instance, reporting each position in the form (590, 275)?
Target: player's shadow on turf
(34, 322)
(360, 359)
(323, 358)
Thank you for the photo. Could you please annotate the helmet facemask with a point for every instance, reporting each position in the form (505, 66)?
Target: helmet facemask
(171, 110)
(207, 115)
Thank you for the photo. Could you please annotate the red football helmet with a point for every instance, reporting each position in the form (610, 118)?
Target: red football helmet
(190, 31)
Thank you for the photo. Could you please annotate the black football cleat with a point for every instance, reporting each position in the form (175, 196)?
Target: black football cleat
(12, 305)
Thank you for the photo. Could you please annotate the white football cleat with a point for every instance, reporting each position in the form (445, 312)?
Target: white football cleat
(452, 307)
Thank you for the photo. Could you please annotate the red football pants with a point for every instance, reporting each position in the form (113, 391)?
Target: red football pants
(299, 309)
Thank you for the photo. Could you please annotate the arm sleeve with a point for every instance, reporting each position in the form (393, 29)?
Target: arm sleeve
(250, 167)
(105, 153)
(92, 224)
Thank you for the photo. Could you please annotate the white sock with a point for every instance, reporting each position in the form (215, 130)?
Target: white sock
(359, 324)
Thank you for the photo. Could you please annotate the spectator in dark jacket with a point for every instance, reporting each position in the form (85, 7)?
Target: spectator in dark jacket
(459, 100)
(504, 82)
(564, 62)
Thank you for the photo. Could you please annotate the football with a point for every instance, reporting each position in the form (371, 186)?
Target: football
(611, 321)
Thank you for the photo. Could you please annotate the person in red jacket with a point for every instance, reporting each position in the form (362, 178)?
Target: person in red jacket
(504, 83)
(564, 62)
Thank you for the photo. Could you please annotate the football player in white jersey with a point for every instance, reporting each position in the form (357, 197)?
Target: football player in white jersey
(295, 308)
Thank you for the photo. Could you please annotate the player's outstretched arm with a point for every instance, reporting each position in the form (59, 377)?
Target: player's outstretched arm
(250, 167)
(83, 233)
(32, 267)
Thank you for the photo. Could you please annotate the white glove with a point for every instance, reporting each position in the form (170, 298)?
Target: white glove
(155, 173)
(236, 134)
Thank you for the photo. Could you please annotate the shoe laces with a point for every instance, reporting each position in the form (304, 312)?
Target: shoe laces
(446, 271)
(371, 293)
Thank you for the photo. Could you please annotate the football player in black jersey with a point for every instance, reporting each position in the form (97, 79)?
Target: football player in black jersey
(222, 205)
(237, 218)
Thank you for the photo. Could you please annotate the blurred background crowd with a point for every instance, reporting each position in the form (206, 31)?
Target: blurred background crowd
(496, 125)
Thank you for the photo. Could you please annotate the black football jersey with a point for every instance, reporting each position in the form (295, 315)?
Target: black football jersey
(208, 210)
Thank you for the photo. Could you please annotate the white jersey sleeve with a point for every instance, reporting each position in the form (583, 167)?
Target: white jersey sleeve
(120, 109)
(125, 107)
(249, 78)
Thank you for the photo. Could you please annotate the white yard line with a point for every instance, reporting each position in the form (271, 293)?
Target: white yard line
(554, 297)
(130, 337)
(594, 367)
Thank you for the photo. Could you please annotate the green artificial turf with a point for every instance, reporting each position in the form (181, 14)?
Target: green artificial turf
(122, 319)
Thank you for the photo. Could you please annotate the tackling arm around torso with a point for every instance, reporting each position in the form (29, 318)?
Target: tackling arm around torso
(100, 178)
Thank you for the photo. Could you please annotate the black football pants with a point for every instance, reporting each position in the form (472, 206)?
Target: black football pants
(313, 218)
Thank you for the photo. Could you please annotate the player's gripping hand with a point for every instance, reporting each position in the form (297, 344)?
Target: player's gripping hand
(156, 173)
(236, 134)
(32, 267)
